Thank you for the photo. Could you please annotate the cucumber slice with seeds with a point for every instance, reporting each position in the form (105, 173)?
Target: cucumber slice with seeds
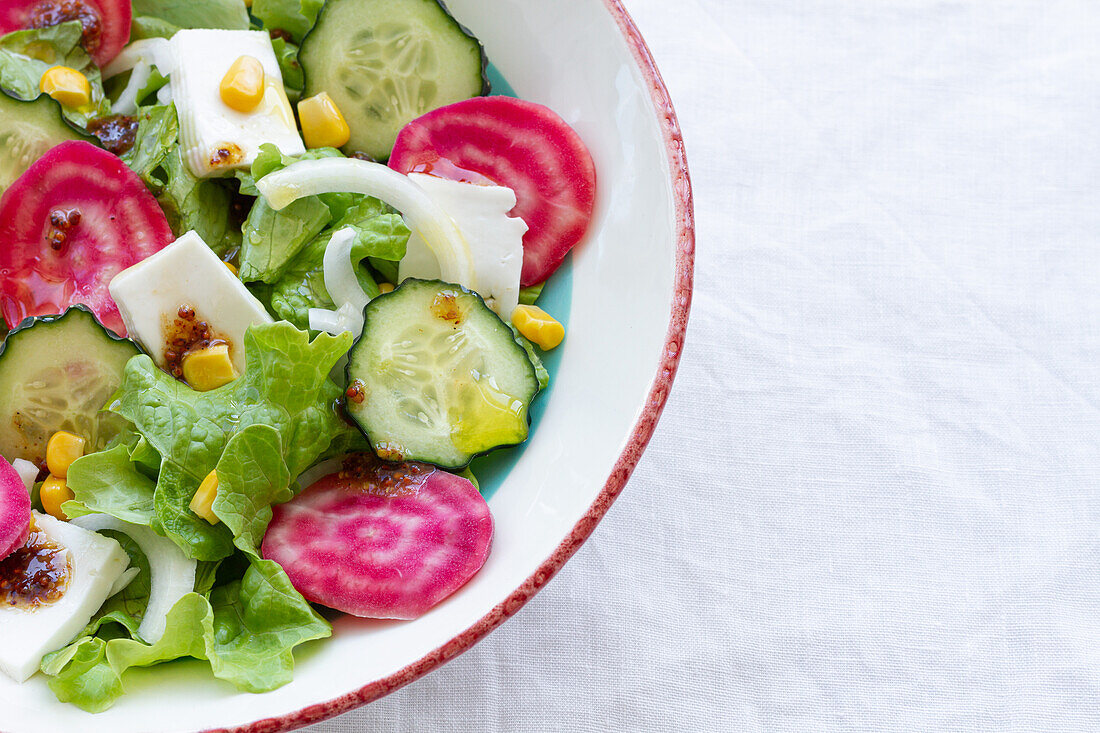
(438, 377)
(27, 131)
(386, 62)
(57, 373)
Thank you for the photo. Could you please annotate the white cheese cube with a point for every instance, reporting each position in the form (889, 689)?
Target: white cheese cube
(186, 272)
(495, 239)
(217, 139)
(95, 564)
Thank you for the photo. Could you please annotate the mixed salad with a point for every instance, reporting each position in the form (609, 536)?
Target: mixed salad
(268, 279)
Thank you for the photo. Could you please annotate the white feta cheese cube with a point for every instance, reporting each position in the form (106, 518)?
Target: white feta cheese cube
(28, 634)
(186, 272)
(217, 139)
(495, 239)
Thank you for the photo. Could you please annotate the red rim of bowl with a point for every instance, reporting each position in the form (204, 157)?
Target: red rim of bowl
(628, 459)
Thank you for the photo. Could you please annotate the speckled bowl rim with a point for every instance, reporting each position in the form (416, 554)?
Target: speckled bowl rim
(628, 459)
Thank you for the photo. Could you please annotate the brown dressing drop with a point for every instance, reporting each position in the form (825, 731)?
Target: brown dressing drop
(182, 335)
(36, 574)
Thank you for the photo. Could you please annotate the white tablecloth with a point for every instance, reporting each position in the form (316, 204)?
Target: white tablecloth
(874, 500)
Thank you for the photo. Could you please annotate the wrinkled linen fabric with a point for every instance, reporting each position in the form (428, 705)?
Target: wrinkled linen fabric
(873, 502)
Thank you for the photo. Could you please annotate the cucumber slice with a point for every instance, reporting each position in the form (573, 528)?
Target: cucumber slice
(57, 373)
(438, 377)
(386, 62)
(27, 131)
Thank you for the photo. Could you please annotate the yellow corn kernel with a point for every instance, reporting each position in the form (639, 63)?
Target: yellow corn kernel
(385, 287)
(232, 268)
(209, 368)
(55, 492)
(202, 503)
(538, 326)
(242, 87)
(61, 451)
(323, 125)
(68, 86)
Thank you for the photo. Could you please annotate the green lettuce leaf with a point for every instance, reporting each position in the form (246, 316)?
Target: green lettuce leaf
(152, 86)
(247, 631)
(175, 489)
(285, 386)
(82, 675)
(197, 203)
(530, 294)
(145, 458)
(148, 26)
(293, 77)
(127, 607)
(468, 474)
(272, 238)
(533, 356)
(228, 14)
(383, 237)
(188, 202)
(386, 269)
(257, 623)
(302, 285)
(262, 293)
(108, 482)
(348, 440)
(378, 234)
(26, 55)
(157, 133)
(270, 159)
(88, 673)
(296, 17)
(146, 95)
(252, 475)
(206, 576)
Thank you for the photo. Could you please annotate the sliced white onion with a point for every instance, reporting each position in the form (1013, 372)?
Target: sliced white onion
(127, 101)
(421, 213)
(26, 470)
(323, 319)
(139, 58)
(336, 322)
(342, 286)
(172, 574)
(155, 51)
(124, 580)
(340, 280)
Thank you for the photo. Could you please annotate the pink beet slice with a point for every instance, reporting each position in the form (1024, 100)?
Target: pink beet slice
(381, 540)
(69, 224)
(15, 510)
(515, 143)
(106, 23)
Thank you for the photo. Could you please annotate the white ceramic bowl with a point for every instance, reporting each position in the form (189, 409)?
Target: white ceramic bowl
(630, 295)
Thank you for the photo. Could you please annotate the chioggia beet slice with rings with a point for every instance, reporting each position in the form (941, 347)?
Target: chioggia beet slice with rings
(515, 143)
(68, 225)
(381, 540)
(15, 510)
